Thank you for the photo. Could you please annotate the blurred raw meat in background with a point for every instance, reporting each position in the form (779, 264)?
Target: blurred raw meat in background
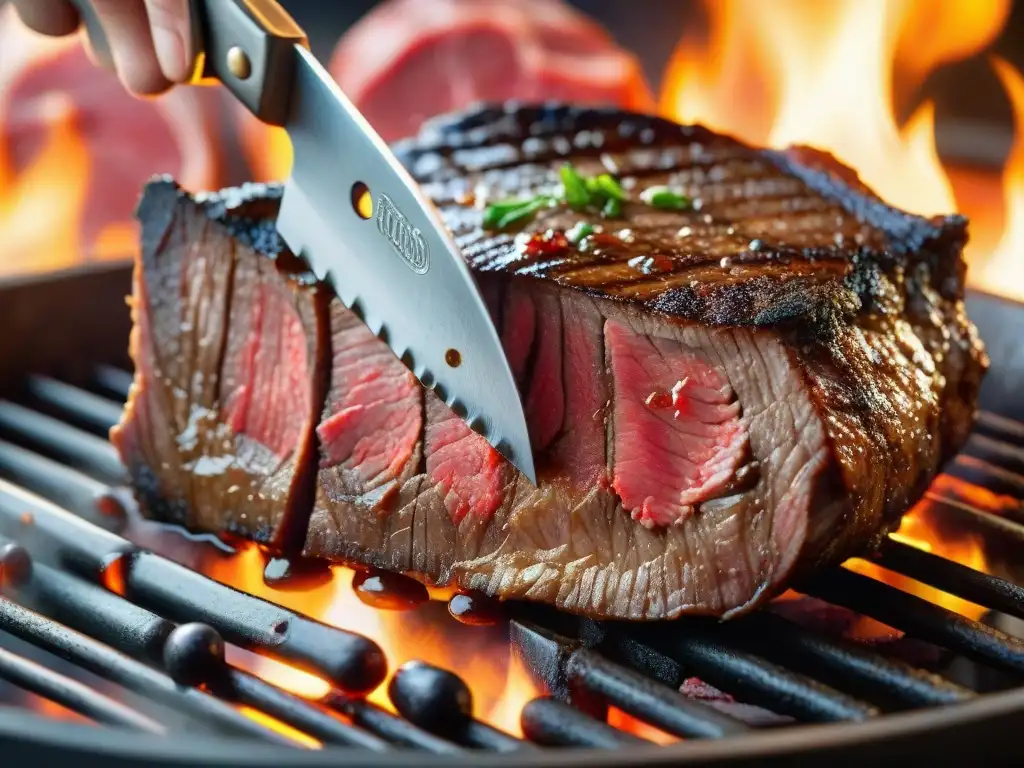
(75, 149)
(408, 60)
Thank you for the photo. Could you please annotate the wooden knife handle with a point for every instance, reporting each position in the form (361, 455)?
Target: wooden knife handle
(248, 45)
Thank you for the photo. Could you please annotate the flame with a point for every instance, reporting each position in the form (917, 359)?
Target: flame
(922, 528)
(821, 74)
(40, 228)
(1008, 256)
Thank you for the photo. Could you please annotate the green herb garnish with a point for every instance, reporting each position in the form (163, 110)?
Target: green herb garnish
(582, 193)
(500, 215)
(580, 230)
(666, 199)
(577, 195)
(608, 186)
(612, 209)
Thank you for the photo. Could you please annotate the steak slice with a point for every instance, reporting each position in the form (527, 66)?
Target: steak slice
(229, 349)
(720, 398)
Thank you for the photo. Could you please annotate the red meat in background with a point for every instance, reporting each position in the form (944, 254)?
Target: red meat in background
(409, 60)
(76, 150)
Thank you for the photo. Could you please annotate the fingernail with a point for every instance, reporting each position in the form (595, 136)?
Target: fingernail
(170, 52)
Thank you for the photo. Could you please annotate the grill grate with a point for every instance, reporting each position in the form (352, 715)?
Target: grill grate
(135, 621)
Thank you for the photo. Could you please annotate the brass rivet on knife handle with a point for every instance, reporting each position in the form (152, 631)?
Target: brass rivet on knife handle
(238, 63)
(259, 33)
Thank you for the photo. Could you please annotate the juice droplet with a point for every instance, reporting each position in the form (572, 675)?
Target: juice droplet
(300, 574)
(658, 400)
(27, 518)
(114, 572)
(475, 610)
(389, 591)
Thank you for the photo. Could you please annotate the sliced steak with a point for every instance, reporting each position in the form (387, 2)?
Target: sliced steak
(229, 352)
(720, 397)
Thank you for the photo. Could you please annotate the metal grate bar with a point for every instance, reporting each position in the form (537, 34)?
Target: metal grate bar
(64, 486)
(99, 613)
(377, 720)
(114, 381)
(997, 452)
(98, 414)
(920, 618)
(981, 473)
(954, 578)
(136, 631)
(548, 721)
(751, 678)
(591, 682)
(1007, 532)
(247, 689)
(1000, 427)
(125, 671)
(71, 694)
(354, 663)
(81, 450)
(440, 702)
(842, 664)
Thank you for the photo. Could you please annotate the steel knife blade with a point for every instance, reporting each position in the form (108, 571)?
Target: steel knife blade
(357, 216)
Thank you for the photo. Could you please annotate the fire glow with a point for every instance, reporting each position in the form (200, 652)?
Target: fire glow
(773, 73)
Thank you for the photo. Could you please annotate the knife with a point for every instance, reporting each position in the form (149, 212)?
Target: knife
(356, 215)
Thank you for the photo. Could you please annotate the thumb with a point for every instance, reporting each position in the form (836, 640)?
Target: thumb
(169, 24)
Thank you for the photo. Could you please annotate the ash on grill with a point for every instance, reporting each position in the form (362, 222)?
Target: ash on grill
(98, 626)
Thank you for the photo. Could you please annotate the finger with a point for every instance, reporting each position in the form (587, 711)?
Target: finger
(48, 17)
(131, 45)
(169, 24)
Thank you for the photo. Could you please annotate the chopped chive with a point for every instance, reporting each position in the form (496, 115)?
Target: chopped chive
(500, 215)
(580, 230)
(665, 198)
(522, 212)
(613, 208)
(609, 187)
(592, 186)
(576, 193)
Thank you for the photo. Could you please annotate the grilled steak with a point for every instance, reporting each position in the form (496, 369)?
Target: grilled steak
(722, 395)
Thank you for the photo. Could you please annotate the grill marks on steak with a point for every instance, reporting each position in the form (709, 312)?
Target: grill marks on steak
(828, 369)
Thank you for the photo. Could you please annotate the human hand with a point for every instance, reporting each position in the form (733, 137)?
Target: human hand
(149, 40)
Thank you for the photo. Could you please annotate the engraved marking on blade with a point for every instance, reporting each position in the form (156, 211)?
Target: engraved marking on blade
(406, 239)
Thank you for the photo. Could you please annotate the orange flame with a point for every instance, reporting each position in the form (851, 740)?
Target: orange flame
(829, 75)
(1008, 257)
(40, 229)
(920, 528)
